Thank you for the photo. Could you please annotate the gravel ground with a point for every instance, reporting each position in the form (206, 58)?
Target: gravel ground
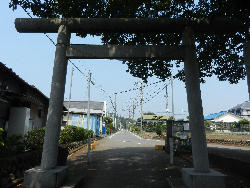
(228, 136)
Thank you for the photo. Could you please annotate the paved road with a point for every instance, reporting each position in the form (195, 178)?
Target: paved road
(125, 160)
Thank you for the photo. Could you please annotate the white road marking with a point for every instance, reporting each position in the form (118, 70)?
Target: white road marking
(113, 135)
(136, 136)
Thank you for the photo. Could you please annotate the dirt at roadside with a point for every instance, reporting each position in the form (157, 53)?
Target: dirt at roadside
(151, 135)
(223, 139)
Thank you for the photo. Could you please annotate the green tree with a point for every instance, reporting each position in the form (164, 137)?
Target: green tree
(159, 128)
(138, 119)
(171, 118)
(243, 121)
(218, 54)
(149, 113)
(108, 120)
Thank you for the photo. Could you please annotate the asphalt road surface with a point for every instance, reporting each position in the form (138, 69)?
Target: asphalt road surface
(124, 160)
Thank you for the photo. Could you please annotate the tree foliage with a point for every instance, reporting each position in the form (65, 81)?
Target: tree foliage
(149, 113)
(218, 54)
(108, 120)
(244, 121)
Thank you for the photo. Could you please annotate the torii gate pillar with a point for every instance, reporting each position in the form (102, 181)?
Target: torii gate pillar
(48, 175)
(247, 63)
(200, 175)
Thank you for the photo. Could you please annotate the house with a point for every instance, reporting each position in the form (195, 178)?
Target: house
(242, 110)
(223, 116)
(76, 114)
(153, 118)
(22, 106)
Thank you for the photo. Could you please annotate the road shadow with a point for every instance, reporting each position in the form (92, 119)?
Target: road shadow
(126, 168)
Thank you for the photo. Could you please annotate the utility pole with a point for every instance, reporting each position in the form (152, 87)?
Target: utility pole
(141, 105)
(172, 86)
(166, 100)
(133, 110)
(129, 113)
(115, 110)
(88, 113)
(113, 116)
(70, 94)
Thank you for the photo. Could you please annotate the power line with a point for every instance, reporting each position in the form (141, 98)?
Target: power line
(51, 40)
(137, 88)
(125, 91)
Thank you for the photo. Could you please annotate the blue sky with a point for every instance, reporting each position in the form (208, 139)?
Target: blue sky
(31, 56)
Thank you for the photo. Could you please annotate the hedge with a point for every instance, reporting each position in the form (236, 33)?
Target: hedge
(34, 139)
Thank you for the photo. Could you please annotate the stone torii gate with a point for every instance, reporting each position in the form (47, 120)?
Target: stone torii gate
(50, 175)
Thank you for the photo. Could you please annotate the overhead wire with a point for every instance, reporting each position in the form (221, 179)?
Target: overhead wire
(52, 41)
(124, 91)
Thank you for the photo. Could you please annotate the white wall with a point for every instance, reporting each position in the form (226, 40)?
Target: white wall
(18, 120)
(227, 118)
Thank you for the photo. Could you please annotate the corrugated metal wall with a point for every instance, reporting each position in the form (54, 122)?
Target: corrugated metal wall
(80, 120)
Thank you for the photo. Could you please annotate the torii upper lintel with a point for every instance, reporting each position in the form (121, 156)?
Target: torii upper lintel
(128, 25)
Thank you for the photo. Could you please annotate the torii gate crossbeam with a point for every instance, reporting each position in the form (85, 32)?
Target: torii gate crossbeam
(125, 52)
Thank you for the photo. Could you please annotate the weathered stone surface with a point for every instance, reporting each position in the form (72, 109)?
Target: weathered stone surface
(194, 179)
(195, 109)
(37, 177)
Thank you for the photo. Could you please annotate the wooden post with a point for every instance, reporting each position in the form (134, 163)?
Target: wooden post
(191, 69)
(53, 126)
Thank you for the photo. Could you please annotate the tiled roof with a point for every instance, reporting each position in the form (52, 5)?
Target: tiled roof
(13, 75)
(215, 115)
(244, 105)
(94, 105)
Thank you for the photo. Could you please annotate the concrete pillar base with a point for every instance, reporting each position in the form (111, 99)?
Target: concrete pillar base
(52, 178)
(194, 179)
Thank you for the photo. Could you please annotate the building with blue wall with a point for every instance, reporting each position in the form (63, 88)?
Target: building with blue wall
(78, 114)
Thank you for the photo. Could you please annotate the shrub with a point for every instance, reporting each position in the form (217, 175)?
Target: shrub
(135, 128)
(12, 144)
(73, 134)
(149, 127)
(34, 139)
(68, 134)
(159, 128)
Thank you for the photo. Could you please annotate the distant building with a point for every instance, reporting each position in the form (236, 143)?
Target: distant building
(153, 118)
(223, 116)
(22, 106)
(242, 110)
(78, 114)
